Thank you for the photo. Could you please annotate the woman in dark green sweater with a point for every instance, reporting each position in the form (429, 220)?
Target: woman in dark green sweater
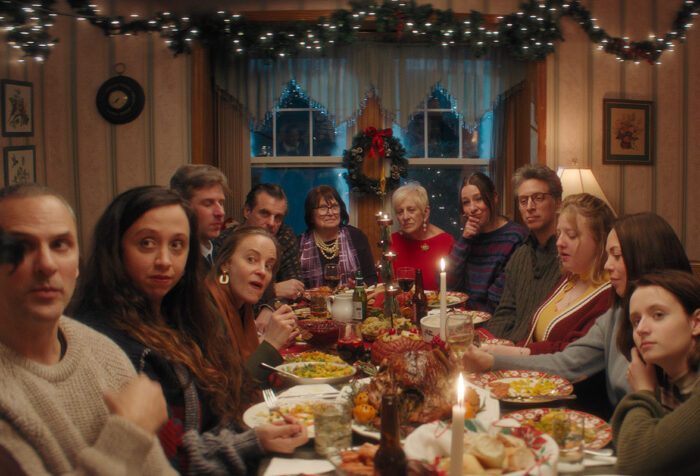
(655, 429)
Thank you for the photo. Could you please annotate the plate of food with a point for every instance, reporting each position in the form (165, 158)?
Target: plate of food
(299, 373)
(312, 356)
(511, 451)
(359, 461)
(453, 298)
(524, 386)
(597, 431)
(300, 408)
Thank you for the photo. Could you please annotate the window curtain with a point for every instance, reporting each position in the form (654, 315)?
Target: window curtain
(232, 140)
(401, 76)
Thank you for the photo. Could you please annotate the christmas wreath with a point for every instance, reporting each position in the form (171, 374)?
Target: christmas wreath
(377, 144)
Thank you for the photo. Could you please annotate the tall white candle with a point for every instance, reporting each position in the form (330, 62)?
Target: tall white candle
(457, 447)
(443, 300)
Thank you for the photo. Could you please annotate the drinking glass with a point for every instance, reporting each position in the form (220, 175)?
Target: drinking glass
(406, 275)
(332, 426)
(459, 330)
(331, 274)
(350, 347)
(568, 429)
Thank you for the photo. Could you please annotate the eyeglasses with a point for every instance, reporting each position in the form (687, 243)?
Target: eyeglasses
(326, 209)
(537, 198)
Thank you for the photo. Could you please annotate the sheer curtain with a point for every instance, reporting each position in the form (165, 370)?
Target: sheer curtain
(401, 76)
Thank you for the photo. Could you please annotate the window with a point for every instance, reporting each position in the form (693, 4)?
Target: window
(299, 147)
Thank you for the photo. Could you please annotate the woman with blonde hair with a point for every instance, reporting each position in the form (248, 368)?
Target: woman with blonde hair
(418, 243)
(584, 292)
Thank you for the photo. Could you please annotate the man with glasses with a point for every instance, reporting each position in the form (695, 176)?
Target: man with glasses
(533, 270)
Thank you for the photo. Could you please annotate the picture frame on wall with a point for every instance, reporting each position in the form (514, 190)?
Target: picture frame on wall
(20, 164)
(17, 108)
(628, 132)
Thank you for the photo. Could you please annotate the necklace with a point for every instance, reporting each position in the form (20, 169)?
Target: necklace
(328, 251)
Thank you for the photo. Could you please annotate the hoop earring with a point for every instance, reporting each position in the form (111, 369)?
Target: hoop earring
(425, 226)
(223, 278)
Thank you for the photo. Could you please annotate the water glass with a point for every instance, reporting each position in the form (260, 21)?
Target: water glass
(459, 329)
(568, 429)
(332, 426)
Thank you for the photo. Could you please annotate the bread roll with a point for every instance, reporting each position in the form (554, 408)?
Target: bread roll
(490, 451)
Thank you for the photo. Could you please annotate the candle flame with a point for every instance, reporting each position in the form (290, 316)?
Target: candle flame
(442, 264)
(460, 390)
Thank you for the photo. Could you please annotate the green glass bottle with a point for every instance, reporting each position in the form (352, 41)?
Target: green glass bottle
(359, 299)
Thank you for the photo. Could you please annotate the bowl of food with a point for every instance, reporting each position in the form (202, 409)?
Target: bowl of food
(302, 373)
(323, 331)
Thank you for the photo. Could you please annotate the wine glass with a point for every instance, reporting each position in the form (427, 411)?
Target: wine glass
(459, 330)
(331, 274)
(405, 276)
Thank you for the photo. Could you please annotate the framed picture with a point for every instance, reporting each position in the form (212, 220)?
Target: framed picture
(17, 108)
(628, 132)
(19, 165)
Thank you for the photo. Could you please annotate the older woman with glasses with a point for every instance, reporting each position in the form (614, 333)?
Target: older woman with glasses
(329, 239)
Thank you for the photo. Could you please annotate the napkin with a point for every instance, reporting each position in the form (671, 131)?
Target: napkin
(280, 466)
(310, 390)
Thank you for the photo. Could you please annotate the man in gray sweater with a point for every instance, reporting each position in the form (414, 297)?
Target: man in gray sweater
(533, 270)
(70, 400)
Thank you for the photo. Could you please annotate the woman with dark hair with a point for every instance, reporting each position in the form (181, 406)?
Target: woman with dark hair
(655, 429)
(418, 244)
(243, 269)
(477, 263)
(329, 239)
(637, 244)
(141, 287)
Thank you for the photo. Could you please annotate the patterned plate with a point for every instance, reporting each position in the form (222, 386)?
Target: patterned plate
(522, 384)
(598, 432)
(453, 298)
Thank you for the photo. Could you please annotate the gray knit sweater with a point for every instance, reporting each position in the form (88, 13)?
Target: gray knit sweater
(531, 273)
(53, 419)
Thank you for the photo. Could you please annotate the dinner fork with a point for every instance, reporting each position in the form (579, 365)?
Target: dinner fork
(271, 400)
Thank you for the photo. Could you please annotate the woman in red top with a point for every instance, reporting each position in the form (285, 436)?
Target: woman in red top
(418, 244)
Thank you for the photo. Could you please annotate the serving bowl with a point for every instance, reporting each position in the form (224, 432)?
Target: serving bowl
(323, 331)
(291, 368)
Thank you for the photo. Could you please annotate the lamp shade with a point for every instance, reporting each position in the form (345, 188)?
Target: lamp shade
(575, 180)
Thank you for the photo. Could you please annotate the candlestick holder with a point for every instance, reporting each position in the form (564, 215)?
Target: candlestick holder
(386, 268)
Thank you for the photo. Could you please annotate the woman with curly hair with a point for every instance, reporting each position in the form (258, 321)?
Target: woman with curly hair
(142, 288)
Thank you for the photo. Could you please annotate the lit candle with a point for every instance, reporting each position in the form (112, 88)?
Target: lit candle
(378, 215)
(457, 448)
(443, 300)
(385, 220)
(389, 256)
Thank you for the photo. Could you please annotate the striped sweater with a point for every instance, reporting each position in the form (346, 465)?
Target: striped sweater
(531, 273)
(476, 265)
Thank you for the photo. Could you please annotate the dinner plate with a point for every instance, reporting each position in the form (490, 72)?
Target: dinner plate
(478, 317)
(529, 378)
(453, 298)
(488, 414)
(433, 440)
(601, 432)
(298, 380)
(259, 414)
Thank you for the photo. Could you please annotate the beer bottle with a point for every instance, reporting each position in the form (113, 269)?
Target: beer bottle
(390, 459)
(359, 299)
(420, 300)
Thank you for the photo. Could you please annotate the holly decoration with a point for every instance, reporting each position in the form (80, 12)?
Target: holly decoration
(375, 145)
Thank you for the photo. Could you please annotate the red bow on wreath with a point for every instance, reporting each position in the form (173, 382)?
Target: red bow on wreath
(377, 141)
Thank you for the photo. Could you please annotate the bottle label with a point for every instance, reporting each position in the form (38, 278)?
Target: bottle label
(357, 311)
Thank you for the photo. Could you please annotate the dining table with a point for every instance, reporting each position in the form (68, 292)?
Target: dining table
(304, 460)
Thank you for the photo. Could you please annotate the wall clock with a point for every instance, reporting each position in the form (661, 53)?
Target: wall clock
(120, 99)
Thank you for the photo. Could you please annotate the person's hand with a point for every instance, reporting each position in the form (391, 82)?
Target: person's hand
(476, 360)
(282, 437)
(280, 329)
(291, 289)
(506, 349)
(141, 401)
(471, 228)
(640, 375)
